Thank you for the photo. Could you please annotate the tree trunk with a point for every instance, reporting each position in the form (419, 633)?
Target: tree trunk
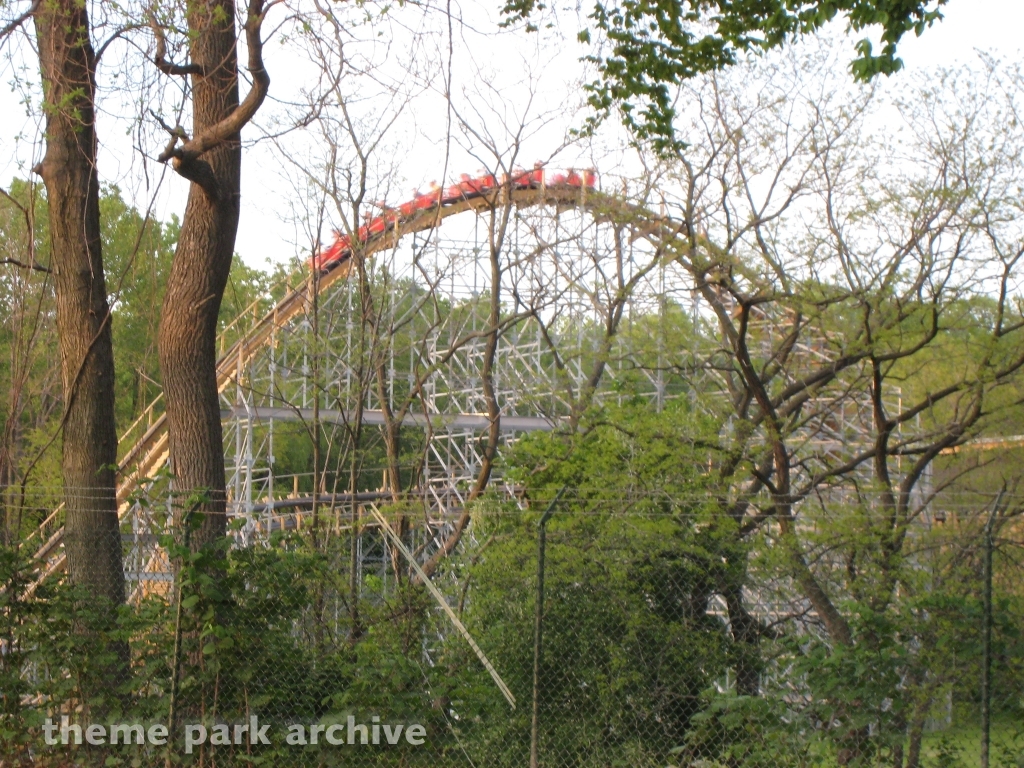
(746, 632)
(92, 539)
(916, 739)
(199, 273)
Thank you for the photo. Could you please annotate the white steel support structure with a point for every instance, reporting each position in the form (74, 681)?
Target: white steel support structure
(404, 335)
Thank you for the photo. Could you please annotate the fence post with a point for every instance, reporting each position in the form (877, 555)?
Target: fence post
(538, 629)
(986, 664)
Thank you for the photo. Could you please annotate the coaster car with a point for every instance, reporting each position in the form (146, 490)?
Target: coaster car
(467, 188)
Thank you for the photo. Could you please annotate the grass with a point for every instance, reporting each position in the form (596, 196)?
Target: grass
(959, 746)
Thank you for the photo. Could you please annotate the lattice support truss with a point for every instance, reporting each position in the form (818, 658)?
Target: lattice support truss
(410, 334)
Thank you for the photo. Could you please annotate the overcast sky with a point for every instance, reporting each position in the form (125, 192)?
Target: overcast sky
(268, 229)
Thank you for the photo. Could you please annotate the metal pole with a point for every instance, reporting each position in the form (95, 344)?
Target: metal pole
(172, 713)
(538, 627)
(986, 665)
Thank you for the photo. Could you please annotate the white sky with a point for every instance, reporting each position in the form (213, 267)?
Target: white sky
(271, 211)
(969, 25)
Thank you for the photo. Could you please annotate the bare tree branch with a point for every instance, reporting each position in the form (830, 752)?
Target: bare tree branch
(19, 20)
(186, 158)
(160, 56)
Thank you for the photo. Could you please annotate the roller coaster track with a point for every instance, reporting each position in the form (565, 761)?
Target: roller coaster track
(149, 453)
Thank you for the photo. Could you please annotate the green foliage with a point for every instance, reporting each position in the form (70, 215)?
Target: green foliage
(629, 644)
(654, 45)
(15, 719)
(751, 732)
(30, 398)
(54, 649)
(625, 649)
(137, 252)
(262, 631)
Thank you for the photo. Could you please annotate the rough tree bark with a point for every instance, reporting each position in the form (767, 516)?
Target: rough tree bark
(211, 159)
(91, 534)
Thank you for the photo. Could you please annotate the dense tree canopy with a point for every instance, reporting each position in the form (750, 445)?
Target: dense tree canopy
(137, 250)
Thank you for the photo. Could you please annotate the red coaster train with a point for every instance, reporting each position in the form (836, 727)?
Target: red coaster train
(467, 188)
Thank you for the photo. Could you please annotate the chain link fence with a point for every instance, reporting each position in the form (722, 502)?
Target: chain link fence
(667, 635)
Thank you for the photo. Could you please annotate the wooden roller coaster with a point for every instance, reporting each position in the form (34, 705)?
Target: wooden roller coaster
(148, 453)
